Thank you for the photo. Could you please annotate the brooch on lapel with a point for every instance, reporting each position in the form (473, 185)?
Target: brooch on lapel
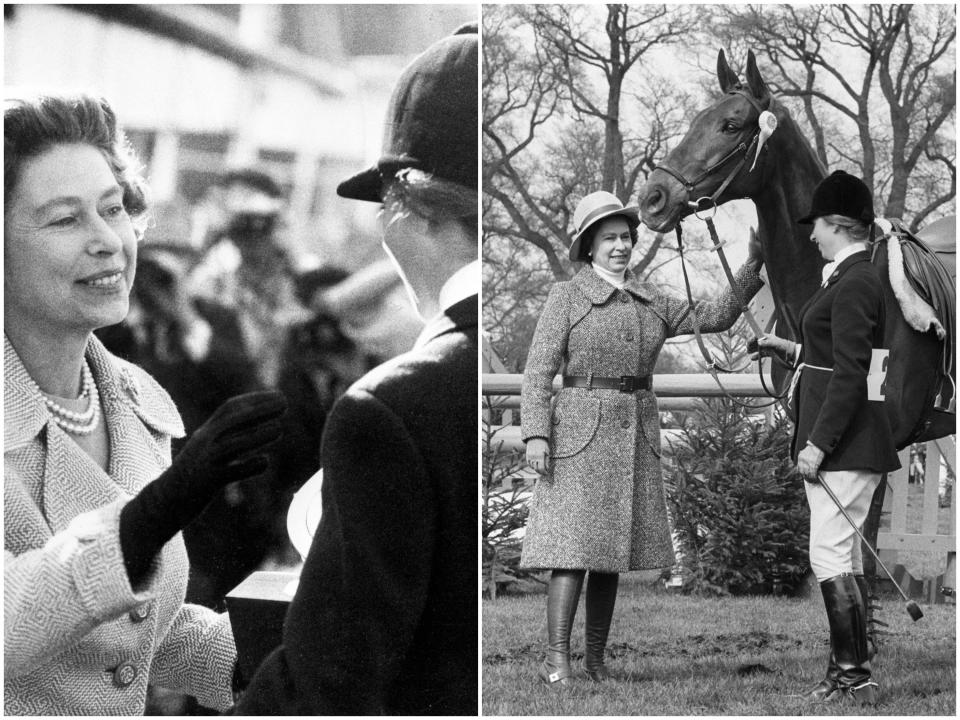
(130, 385)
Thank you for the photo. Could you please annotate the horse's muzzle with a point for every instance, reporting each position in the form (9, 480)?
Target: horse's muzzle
(663, 202)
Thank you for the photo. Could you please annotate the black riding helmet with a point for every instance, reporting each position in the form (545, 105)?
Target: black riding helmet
(841, 193)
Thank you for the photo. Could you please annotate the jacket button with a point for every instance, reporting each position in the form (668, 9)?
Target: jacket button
(628, 337)
(125, 674)
(625, 424)
(140, 613)
(624, 298)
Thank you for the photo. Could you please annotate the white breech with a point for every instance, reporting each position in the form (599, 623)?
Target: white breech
(834, 546)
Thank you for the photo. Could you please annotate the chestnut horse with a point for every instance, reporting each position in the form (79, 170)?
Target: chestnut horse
(781, 186)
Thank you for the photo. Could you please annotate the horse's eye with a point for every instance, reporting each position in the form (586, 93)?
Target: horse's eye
(730, 128)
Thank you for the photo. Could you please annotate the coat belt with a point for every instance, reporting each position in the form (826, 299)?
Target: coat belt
(624, 383)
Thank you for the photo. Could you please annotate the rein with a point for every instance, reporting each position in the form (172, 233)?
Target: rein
(712, 365)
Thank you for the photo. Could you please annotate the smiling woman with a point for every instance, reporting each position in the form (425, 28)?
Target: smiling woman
(94, 570)
(600, 505)
(70, 250)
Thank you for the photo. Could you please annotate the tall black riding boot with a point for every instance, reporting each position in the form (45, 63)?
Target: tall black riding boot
(563, 594)
(601, 598)
(848, 633)
(871, 604)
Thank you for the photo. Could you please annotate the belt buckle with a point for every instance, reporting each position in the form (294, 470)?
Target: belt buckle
(627, 383)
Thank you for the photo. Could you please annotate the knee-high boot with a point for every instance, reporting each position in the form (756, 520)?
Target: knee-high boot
(870, 608)
(848, 635)
(825, 689)
(601, 599)
(563, 593)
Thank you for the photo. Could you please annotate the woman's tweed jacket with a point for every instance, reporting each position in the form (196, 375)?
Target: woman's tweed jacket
(70, 616)
(603, 508)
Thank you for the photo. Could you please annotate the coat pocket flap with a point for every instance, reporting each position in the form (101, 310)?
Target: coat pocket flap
(576, 417)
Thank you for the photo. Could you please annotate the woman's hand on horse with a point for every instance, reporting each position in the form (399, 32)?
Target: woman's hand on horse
(754, 249)
(808, 462)
(538, 455)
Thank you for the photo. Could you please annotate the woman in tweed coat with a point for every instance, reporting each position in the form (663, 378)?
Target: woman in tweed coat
(600, 506)
(94, 568)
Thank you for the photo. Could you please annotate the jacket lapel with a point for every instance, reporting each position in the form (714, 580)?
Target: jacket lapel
(845, 265)
(596, 291)
(24, 412)
(71, 482)
(832, 280)
(137, 452)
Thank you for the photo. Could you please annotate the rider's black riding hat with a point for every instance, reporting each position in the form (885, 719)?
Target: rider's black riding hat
(841, 194)
(432, 119)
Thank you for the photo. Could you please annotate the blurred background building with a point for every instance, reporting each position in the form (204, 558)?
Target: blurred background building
(298, 90)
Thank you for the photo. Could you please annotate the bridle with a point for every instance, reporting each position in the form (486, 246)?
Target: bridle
(708, 202)
(744, 148)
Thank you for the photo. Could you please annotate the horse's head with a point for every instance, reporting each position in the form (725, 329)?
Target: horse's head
(714, 158)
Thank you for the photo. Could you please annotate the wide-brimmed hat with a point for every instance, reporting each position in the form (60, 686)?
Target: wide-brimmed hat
(592, 209)
(841, 193)
(431, 120)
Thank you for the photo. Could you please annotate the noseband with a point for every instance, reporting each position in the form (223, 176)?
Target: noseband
(743, 147)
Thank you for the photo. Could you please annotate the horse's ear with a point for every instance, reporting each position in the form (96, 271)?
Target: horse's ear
(727, 77)
(754, 80)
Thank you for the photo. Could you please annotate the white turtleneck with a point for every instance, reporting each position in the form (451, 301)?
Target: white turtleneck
(618, 280)
(842, 254)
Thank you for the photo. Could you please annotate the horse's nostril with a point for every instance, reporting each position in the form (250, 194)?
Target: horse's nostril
(656, 199)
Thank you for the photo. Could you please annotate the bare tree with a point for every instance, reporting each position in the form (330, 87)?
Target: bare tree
(885, 73)
(573, 47)
(553, 87)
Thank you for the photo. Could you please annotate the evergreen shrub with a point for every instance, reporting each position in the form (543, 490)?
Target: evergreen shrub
(738, 505)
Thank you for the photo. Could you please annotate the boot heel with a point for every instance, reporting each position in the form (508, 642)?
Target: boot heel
(600, 674)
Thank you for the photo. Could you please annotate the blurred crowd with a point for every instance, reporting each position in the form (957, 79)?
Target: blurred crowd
(236, 309)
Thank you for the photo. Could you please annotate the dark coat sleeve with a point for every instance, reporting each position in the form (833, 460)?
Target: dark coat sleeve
(854, 317)
(365, 581)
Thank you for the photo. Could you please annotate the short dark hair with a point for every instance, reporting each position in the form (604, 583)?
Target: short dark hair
(586, 240)
(252, 177)
(32, 125)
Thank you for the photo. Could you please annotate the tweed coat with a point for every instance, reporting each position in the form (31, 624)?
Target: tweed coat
(602, 507)
(385, 616)
(78, 640)
(840, 327)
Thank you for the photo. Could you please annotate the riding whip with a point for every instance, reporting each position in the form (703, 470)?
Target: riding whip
(912, 608)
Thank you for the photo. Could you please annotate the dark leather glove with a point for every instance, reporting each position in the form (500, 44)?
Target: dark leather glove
(231, 445)
(772, 346)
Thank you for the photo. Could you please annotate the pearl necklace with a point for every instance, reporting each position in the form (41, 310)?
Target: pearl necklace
(76, 423)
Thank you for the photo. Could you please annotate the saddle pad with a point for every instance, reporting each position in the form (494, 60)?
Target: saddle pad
(933, 282)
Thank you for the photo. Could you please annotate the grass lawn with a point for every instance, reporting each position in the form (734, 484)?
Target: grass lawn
(685, 655)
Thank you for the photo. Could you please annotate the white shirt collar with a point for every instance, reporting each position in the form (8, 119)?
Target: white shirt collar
(842, 254)
(618, 280)
(464, 283)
